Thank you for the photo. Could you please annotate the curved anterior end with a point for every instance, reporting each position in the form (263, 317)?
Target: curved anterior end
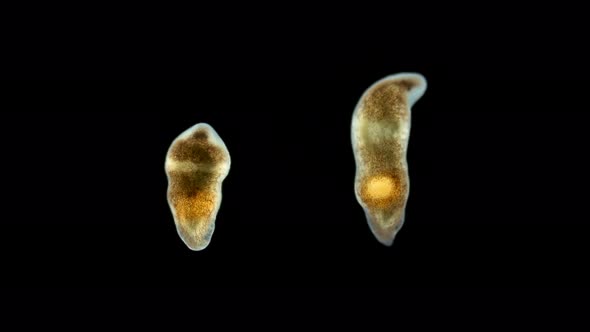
(380, 132)
(197, 162)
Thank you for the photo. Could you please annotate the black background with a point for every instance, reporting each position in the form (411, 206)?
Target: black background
(497, 161)
(495, 165)
(496, 224)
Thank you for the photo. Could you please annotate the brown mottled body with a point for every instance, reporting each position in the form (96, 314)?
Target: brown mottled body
(380, 132)
(196, 165)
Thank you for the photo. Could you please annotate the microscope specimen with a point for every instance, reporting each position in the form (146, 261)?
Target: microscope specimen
(197, 162)
(380, 132)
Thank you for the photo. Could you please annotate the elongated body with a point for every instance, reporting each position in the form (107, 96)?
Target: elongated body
(197, 162)
(380, 132)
